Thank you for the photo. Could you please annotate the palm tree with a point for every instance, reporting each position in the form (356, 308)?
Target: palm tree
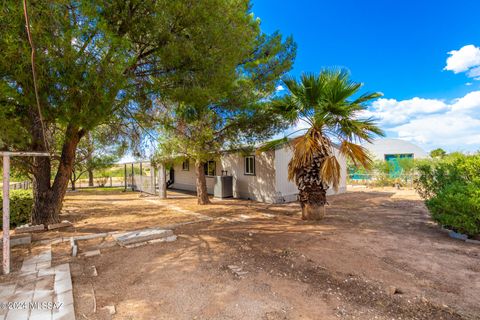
(333, 120)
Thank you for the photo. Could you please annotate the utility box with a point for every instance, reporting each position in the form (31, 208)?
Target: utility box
(223, 187)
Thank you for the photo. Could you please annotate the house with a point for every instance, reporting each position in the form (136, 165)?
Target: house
(256, 176)
(388, 149)
(392, 150)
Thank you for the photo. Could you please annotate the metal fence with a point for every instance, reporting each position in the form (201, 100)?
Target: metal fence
(137, 176)
(382, 180)
(24, 185)
(145, 180)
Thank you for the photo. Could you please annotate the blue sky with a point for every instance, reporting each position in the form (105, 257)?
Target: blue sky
(399, 48)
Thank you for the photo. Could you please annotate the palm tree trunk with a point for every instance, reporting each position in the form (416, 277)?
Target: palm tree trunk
(312, 204)
(312, 190)
(202, 195)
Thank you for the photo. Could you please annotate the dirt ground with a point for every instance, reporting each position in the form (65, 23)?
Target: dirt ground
(376, 255)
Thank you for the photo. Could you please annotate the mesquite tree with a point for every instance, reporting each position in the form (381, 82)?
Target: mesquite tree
(201, 128)
(101, 59)
(99, 149)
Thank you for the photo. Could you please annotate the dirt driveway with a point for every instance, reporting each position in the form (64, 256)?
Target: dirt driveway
(376, 255)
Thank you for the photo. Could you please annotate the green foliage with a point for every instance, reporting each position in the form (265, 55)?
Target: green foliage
(104, 63)
(237, 114)
(98, 151)
(438, 153)
(451, 189)
(21, 202)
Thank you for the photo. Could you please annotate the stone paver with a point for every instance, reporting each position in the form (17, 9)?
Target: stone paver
(41, 292)
(141, 236)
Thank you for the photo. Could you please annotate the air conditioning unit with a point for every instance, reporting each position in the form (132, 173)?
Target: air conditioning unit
(223, 187)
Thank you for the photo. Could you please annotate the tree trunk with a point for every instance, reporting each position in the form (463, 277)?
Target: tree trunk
(313, 209)
(313, 191)
(48, 198)
(73, 179)
(90, 177)
(202, 195)
(89, 159)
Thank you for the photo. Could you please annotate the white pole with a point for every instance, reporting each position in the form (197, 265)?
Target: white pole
(152, 180)
(162, 181)
(6, 214)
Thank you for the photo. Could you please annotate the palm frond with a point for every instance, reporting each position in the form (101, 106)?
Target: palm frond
(357, 129)
(331, 172)
(356, 153)
(272, 145)
(367, 97)
(304, 148)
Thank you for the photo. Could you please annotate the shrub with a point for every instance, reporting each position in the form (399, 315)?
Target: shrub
(21, 203)
(451, 189)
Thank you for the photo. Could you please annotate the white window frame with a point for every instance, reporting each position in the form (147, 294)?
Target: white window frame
(249, 170)
(214, 168)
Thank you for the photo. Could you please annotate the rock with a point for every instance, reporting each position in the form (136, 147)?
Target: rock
(17, 240)
(93, 271)
(143, 236)
(167, 239)
(456, 235)
(62, 224)
(27, 228)
(237, 270)
(135, 245)
(110, 309)
(392, 290)
(91, 253)
(473, 241)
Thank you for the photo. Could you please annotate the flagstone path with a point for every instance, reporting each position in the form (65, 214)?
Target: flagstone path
(41, 292)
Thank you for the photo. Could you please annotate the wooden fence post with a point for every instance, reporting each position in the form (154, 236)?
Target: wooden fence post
(6, 214)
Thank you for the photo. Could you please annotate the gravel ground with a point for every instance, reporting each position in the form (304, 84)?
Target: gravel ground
(376, 255)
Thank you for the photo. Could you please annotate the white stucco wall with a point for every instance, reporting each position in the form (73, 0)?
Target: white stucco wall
(287, 190)
(259, 187)
(186, 180)
(269, 184)
(380, 147)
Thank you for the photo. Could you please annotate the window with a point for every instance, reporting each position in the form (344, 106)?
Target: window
(250, 165)
(210, 168)
(186, 165)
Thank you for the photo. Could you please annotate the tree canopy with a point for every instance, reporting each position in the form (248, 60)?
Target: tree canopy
(108, 59)
(239, 115)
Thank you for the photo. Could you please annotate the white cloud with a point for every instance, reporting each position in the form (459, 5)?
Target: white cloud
(473, 73)
(468, 84)
(279, 88)
(471, 101)
(465, 59)
(454, 125)
(393, 112)
(454, 132)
